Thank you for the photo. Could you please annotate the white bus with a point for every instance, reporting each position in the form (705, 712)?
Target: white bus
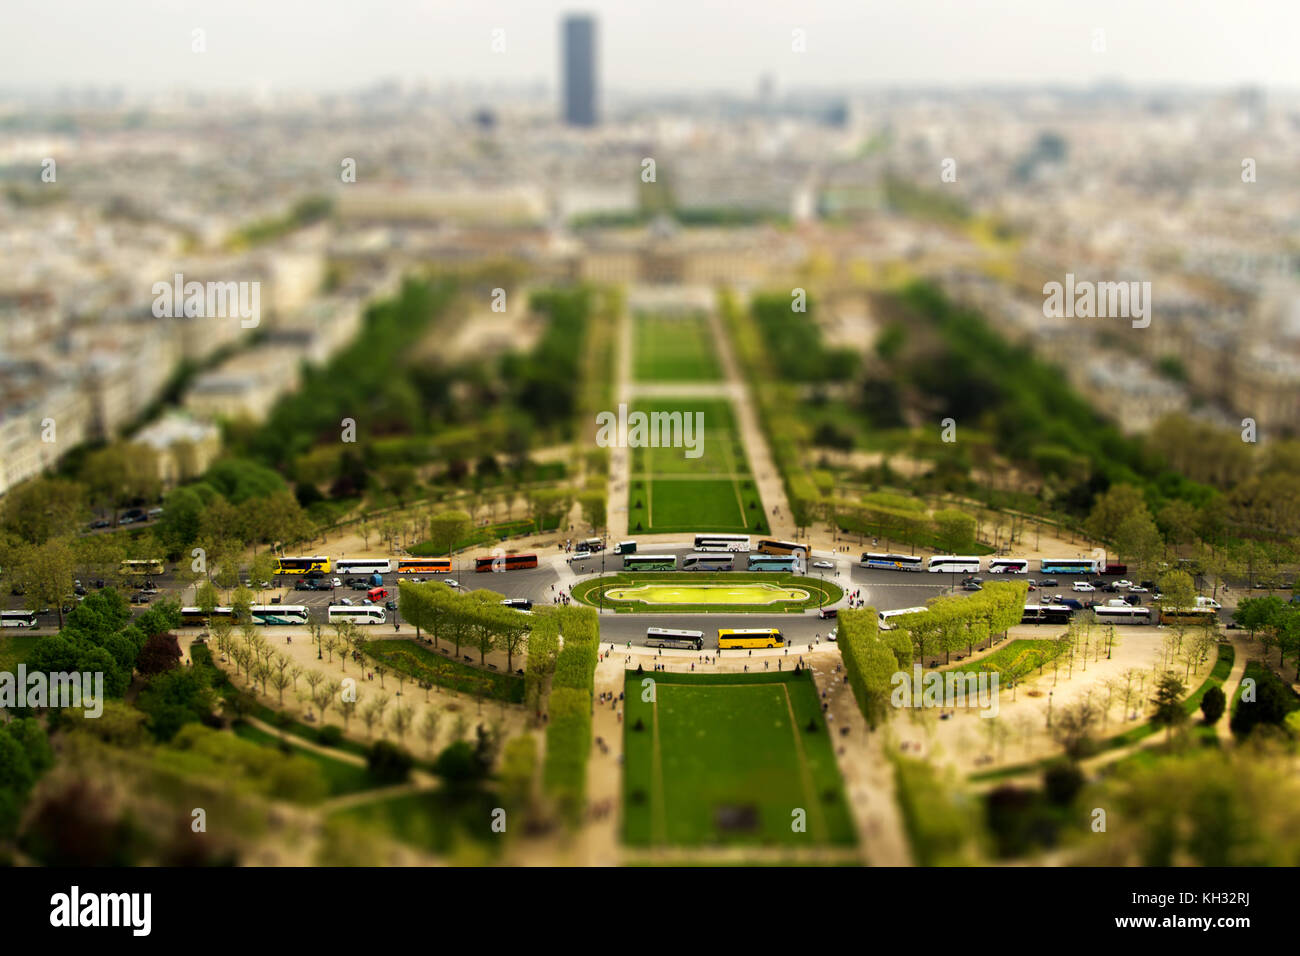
(17, 618)
(1123, 615)
(954, 564)
(708, 562)
(1009, 566)
(671, 637)
(277, 614)
(885, 616)
(893, 562)
(357, 614)
(722, 542)
(363, 566)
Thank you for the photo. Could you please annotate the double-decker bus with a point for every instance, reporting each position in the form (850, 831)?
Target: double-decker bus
(884, 617)
(708, 562)
(1008, 566)
(363, 566)
(279, 614)
(1188, 615)
(749, 637)
(197, 617)
(424, 566)
(722, 542)
(649, 562)
(772, 562)
(357, 614)
(768, 546)
(17, 618)
(318, 562)
(506, 562)
(954, 564)
(672, 637)
(1123, 615)
(1045, 614)
(142, 567)
(893, 562)
(1069, 565)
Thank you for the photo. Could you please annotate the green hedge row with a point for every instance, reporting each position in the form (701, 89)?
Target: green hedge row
(568, 733)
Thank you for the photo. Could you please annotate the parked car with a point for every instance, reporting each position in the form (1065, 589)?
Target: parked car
(101, 523)
(390, 605)
(139, 598)
(305, 586)
(155, 512)
(1137, 589)
(452, 583)
(1049, 583)
(133, 514)
(1082, 586)
(336, 583)
(347, 601)
(824, 565)
(360, 585)
(972, 586)
(1123, 583)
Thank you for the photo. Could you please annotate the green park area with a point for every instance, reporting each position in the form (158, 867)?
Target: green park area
(730, 759)
(713, 491)
(674, 348)
(686, 591)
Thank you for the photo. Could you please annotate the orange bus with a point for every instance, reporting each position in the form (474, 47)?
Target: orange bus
(506, 562)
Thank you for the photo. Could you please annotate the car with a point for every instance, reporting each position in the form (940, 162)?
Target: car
(1082, 586)
(139, 598)
(133, 514)
(1132, 600)
(833, 634)
(1033, 586)
(155, 512)
(452, 583)
(827, 612)
(347, 601)
(1137, 589)
(824, 565)
(305, 586)
(1234, 626)
(972, 586)
(1109, 588)
(336, 583)
(101, 523)
(1149, 585)
(315, 575)
(79, 591)
(353, 582)
(390, 605)
(1123, 583)
(361, 586)
(1071, 603)
(1049, 583)
(367, 602)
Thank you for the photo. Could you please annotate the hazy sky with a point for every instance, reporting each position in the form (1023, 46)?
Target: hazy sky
(647, 45)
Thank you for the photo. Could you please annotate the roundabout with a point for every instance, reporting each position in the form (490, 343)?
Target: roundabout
(690, 591)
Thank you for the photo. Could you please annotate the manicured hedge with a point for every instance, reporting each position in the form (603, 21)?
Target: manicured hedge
(568, 744)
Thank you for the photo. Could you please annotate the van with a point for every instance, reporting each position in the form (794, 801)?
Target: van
(377, 594)
(827, 613)
(626, 547)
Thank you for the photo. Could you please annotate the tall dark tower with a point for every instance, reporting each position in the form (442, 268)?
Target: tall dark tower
(579, 40)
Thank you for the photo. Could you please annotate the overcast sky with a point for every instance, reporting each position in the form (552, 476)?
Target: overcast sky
(647, 45)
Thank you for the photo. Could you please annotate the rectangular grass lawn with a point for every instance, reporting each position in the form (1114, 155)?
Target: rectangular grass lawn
(719, 760)
(713, 492)
(674, 349)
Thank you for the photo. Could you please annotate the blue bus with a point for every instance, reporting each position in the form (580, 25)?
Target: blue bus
(1070, 566)
(773, 562)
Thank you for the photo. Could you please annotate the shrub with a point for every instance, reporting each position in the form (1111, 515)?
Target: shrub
(389, 763)
(1213, 704)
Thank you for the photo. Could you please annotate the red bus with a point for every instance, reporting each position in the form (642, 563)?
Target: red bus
(506, 562)
(1116, 569)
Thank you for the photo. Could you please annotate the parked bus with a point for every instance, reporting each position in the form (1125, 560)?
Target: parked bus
(146, 567)
(506, 562)
(771, 562)
(591, 546)
(708, 562)
(722, 542)
(1045, 614)
(954, 564)
(649, 562)
(749, 637)
(1008, 566)
(363, 566)
(893, 562)
(1069, 565)
(197, 617)
(357, 614)
(1188, 615)
(424, 566)
(318, 562)
(1114, 614)
(671, 637)
(17, 618)
(768, 546)
(274, 615)
(1115, 569)
(884, 617)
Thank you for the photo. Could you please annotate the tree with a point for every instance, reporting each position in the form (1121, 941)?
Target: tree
(446, 528)
(1213, 704)
(161, 652)
(1169, 703)
(1111, 509)
(44, 508)
(45, 575)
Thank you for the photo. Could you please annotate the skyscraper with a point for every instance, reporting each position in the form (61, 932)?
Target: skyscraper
(579, 37)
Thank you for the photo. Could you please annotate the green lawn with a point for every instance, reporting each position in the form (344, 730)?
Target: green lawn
(416, 661)
(714, 748)
(435, 821)
(714, 491)
(674, 349)
(341, 777)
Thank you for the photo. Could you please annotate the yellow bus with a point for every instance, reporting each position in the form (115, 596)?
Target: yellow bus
(142, 566)
(317, 562)
(749, 637)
